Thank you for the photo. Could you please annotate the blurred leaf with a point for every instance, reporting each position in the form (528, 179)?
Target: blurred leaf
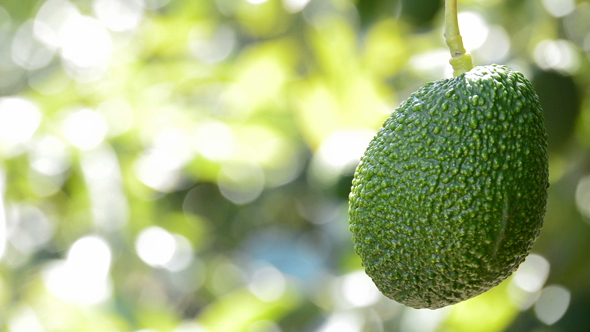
(159, 318)
(193, 227)
(334, 45)
(421, 13)
(340, 94)
(57, 315)
(386, 51)
(492, 311)
(561, 104)
(265, 19)
(374, 10)
(20, 10)
(238, 310)
(259, 75)
(582, 130)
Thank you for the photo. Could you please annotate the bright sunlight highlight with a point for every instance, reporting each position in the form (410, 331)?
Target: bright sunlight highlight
(19, 119)
(155, 246)
(83, 277)
(85, 128)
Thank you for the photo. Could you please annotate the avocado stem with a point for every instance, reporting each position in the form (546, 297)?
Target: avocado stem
(460, 59)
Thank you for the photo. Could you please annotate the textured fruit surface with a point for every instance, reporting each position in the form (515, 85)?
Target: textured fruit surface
(451, 193)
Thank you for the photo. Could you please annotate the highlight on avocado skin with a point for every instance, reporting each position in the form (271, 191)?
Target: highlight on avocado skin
(451, 193)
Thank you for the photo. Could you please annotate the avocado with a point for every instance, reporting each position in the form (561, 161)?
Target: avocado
(451, 193)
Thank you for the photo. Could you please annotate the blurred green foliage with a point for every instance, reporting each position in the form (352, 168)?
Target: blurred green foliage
(176, 165)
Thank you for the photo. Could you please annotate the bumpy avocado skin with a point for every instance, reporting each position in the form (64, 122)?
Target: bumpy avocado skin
(451, 192)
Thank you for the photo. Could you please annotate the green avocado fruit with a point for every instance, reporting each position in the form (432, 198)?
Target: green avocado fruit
(451, 193)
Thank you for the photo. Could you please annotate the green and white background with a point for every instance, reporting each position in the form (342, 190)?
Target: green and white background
(184, 165)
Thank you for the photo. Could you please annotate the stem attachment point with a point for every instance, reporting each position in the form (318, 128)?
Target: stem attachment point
(461, 61)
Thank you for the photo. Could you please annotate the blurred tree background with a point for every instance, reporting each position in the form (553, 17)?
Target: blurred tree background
(184, 165)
